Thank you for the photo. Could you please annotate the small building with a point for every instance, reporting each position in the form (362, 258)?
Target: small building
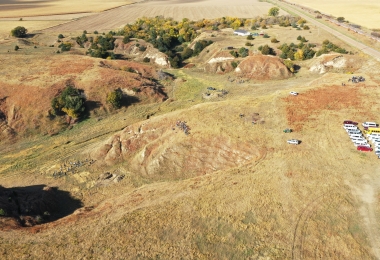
(241, 32)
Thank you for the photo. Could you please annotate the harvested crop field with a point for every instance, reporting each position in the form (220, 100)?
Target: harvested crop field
(22, 8)
(194, 10)
(365, 14)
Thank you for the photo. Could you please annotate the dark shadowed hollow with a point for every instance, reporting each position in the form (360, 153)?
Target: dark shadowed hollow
(33, 205)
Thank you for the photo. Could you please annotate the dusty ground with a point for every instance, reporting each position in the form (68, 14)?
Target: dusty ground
(365, 14)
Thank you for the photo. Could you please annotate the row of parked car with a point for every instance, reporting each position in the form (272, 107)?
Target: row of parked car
(359, 140)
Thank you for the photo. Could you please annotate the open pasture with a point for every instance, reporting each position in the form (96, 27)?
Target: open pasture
(194, 10)
(355, 11)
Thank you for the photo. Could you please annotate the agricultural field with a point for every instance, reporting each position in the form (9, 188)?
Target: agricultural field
(25, 8)
(358, 12)
(193, 10)
(195, 163)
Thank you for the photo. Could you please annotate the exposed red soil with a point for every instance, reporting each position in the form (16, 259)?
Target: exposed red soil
(299, 109)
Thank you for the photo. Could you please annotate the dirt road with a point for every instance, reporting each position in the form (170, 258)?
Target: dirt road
(362, 47)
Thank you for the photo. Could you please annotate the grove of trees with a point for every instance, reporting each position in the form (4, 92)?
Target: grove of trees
(69, 102)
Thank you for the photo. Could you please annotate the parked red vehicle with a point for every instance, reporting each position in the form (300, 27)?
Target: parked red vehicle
(350, 122)
(364, 148)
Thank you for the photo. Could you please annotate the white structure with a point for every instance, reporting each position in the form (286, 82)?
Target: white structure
(241, 32)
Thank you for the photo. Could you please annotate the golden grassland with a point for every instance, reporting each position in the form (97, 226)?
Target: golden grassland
(355, 11)
(24, 9)
(319, 199)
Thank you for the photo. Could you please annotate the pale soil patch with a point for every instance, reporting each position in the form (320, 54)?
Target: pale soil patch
(24, 8)
(362, 13)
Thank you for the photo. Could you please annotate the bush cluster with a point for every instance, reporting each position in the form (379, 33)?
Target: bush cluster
(115, 98)
(266, 50)
(242, 52)
(328, 46)
(70, 102)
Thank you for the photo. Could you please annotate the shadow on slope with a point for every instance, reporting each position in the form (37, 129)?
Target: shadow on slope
(33, 205)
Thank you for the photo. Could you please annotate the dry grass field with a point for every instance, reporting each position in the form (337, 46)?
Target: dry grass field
(356, 11)
(228, 190)
(25, 8)
(32, 26)
(194, 10)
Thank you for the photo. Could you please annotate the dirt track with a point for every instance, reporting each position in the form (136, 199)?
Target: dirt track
(194, 10)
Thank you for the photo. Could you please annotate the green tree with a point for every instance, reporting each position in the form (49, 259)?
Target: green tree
(186, 53)
(19, 32)
(115, 98)
(273, 11)
(340, 19)
(70, 102)
(243, 52)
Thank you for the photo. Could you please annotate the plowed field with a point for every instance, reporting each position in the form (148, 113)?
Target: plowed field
(194, 10)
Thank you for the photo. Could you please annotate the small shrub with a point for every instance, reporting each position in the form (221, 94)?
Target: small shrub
(248, 44)
(115, 98)
(142, 48)
(306, 27)
(289, 64)
(60, 36)
(146, 59)
(84, 32)
(234, 64)
(137, 44)
(266, 36)
(17, 48)
(250, 37)
(35, 47)
(274, 40)
(95, 32)
(3, 212)
(20, 19)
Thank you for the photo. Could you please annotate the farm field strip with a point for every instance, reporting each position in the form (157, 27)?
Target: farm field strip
(365, 14)
(24, 8)
(118, 17)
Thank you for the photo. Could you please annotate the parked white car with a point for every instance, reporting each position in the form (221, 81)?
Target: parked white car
(293, 93)
(362, 144)
(293, 141)
(355, 136)
(369, 124)
(350, 127)
(372, 136)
